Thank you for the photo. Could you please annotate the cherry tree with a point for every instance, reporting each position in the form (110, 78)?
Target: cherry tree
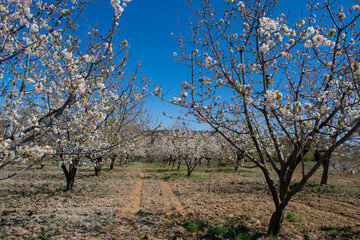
(58, 94)
(286, 85)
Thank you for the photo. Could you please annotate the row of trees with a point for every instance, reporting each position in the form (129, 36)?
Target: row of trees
(182, 146)
(65, 96)
(290, 86)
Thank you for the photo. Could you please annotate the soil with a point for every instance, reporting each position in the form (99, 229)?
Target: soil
(138, 201)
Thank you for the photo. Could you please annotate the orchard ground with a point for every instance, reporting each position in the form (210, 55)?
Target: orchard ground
(154, 201)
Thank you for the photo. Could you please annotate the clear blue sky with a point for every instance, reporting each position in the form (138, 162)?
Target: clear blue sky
(148, 25)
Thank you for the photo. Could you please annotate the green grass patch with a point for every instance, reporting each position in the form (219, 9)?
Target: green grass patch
(183, 175)
(336, 232)
(221, 170)
(107, 170)
(168, 176)
(215, 231)
(347, 189)
(162, 170)
(48, 234)
(292, 218)
(311, 184)
(231, 230)
(195, 226)
(3, 235)
(108, 191)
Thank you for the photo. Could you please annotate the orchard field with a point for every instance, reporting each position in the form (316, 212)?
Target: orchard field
(154, 201)
(275, 94)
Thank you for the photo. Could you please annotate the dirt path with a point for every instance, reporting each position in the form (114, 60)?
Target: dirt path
(172, 204)
(132, 206)
(122, 225)
(151, 205)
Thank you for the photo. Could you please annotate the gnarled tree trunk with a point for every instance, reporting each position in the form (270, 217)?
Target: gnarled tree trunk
(70, 173)
(325, 174)
(276, 220)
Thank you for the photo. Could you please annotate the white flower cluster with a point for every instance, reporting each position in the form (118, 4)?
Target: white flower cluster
(209, 62)
(118, 6)
(271, 97)
(184, 94)
(177, 100)
(317, 39)
(205, 80)
(158, 92)
(241, 6)
(269, 24)
(354, 113)
(67, 54)
(35, 151)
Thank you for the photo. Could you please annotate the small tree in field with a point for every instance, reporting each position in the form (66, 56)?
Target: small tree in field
(185, 148)
(286, 86)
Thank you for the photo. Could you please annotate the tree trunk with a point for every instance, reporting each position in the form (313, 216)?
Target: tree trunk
(239, 159)
(325, 174)
(189, 171)
(98, 170)
(112, 163)
(70, 175)
(325, 165)
(276, 220)
(208, 162)
(98, 166)
(178, 167)
(237, 165)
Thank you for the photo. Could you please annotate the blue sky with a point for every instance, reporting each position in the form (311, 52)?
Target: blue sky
(148, 25)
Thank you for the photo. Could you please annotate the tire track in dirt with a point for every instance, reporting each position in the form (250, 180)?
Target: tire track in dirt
(172, 204)
(152, 204)
(132, 206)
(123, 224)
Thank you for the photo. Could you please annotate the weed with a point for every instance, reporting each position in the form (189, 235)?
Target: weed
(195, 226)
(341, 189)
(234, 229)
(335, 232)
(49, 233)
(3, 235)
(311, 184)
(168, 176)
(221, 169)
(243, 236)
(231, 230)
(306, 236)
(292, 218)
(166, 170)
(107, 191)
(214, 231)
(274, 237)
